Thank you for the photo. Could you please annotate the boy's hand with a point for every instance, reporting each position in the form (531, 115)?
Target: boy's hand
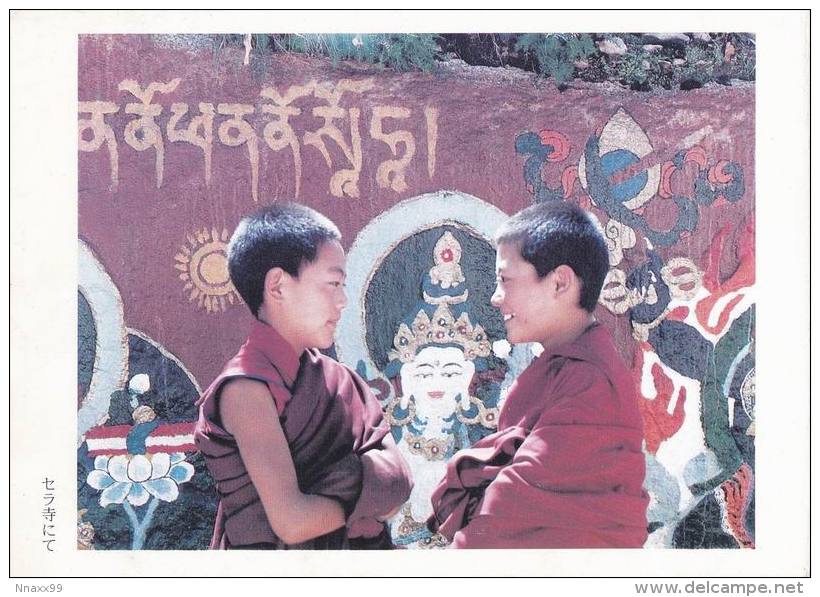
(387, 517)
(341, 481)
(364, 527)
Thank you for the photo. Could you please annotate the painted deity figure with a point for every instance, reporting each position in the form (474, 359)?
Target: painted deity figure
(436, 353)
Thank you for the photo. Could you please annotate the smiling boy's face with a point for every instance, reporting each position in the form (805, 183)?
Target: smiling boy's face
(311, 304)
(529, 309)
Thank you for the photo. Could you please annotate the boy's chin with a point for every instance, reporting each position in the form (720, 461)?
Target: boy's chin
(324, 343)
(514, 338)
(522, 339)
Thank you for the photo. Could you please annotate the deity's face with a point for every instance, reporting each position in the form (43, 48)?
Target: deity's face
(435, 378)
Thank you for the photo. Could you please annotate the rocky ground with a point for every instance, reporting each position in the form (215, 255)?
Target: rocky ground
(640, 61)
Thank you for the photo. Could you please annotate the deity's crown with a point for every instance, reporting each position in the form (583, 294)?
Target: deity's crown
(444, 286)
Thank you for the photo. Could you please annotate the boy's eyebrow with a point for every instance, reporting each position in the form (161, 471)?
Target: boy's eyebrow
(456, 364)
(338, 270)
(424, 365)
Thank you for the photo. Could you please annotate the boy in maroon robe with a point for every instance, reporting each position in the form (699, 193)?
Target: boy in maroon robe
(295, 441)
(565, 468)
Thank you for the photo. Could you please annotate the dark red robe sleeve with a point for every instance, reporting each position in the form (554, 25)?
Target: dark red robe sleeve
(386, 478)
(341, 445)
(572, 480)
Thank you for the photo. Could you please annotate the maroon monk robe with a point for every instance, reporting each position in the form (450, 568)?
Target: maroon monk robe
(340, 445)
(565, 468)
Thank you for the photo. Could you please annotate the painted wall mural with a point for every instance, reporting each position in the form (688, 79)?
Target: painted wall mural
(177, 143)
(203, 266)
(686, 323)
(141, 482)
(143, 133)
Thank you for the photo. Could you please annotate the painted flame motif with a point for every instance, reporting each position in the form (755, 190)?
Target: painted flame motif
(739, 282)
(659, 423)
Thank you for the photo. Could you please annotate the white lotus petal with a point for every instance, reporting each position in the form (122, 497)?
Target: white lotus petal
(161, 463)
(99, 479)
(118, 468)
(182, 472)
(101, 463)
(138, 496)
(164, 489)
(139, 469)
(114, 494)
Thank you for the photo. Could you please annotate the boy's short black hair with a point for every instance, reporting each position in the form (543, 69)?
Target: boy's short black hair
(556, 233)
(282, 235)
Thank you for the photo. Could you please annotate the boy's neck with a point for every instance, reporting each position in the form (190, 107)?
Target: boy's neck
(574, 324)
(271, 322)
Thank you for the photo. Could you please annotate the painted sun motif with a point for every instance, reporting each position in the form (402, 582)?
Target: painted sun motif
(203, 265)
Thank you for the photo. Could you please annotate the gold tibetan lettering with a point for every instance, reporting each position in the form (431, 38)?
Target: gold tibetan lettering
(244, 135)
(103, 133)
(278, 133)
(204, 121)
(345, 181)
(143, 132)
(431, 116)
(390, 173)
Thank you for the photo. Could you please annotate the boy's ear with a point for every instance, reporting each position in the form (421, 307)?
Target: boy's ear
(563, 279)
(274, 281)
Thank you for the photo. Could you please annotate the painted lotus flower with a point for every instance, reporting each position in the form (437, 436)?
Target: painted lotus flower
(136, 477)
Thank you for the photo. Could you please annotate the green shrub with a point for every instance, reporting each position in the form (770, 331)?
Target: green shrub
(555, 54)
(399, 51)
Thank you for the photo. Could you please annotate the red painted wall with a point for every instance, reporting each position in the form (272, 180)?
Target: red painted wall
(137, 228)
